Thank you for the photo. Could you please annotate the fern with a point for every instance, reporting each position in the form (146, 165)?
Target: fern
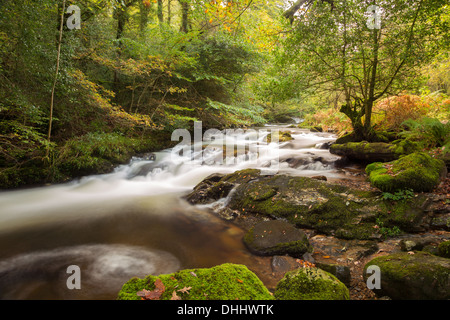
(431, 130)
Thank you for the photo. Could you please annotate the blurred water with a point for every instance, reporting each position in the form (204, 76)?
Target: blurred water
(133, 221)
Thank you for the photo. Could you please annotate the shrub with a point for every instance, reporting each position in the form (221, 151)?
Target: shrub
(391, 112)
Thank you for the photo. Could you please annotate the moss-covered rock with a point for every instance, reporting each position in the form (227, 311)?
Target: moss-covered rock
(310, 284)
(276, 237)
(381, 151)
(414, 276)
(223, 282)
(328, 208)
(417, 171)
(366, 151)
(444, 249)
(281, 136)
(218, 186)
(310, 203)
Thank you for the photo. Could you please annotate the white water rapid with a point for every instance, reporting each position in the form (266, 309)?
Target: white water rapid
(133, 221)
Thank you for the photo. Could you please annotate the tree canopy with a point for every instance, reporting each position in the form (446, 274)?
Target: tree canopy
(137, 69)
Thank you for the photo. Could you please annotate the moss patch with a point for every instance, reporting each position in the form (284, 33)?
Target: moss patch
(417, 171)
(444, 249)
(223, 282)
(310, 284)
(419, 275)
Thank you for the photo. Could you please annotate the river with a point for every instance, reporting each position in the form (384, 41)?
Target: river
(134, 221)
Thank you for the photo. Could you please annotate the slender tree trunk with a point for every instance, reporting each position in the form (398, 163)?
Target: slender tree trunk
(144, 8)
(184, 15)
(121, 14)
(169, 12)
(55, 79)
(160, 12)
(368, 104)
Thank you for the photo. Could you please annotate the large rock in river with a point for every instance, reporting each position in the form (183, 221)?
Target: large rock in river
(314, 204)
(412, 276)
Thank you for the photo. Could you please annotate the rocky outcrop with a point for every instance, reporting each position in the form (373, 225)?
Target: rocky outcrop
(412, 276)
(310, 203)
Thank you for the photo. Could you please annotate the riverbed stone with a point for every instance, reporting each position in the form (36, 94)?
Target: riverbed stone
(276, 237)
(340, 271)
(310, 283)
(413, 275)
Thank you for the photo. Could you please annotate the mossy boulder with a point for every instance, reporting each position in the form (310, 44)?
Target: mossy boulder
(412, 276)
(417, 171)
(223, 282)
(218, 186)
(276, 237)
(314, 204)
(328, 208)
(310, 284)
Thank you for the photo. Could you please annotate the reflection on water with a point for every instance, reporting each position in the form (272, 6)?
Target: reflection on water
(132, 222)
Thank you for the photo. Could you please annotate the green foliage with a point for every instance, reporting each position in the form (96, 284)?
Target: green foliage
(398, 195)
(98, 153)
(229, 115)
(332, 51)
(431, 132)
(387, 231)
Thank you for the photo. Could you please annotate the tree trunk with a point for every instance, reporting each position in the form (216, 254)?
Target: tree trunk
(61, 26)
(368, 105)
(169, 12)
(144, 8)
(160, 12)
(121, 15)
(184, 15)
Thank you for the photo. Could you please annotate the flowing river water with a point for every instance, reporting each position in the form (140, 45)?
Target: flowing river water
(134, 221)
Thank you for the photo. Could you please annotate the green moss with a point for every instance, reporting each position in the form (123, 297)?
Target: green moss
(420, 275)
(282, 136)
(417, 171)
(328, 208)
(223, 282)
(444, 249)
(310, 284)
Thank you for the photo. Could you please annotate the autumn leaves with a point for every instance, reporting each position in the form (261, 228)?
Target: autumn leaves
(159, 290)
